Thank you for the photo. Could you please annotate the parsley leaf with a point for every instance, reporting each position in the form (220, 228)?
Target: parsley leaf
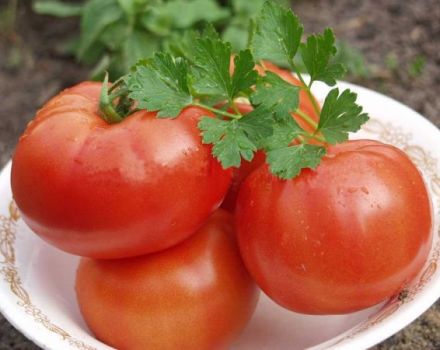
(212, 129)
(277, 34)
(235, 139)
(316, 54)
(212, 75)
(258, 124)
(283, 133)
(230, 141)
(211, 71)
(203, 78)
(287, 162)
(273, 92)
(244, 74)
(161, 84)
(340, 115)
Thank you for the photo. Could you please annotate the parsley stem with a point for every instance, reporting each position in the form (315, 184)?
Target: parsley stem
(314, 137)
(307, 118)
(235, 108)
(312, 98)
(217, 111)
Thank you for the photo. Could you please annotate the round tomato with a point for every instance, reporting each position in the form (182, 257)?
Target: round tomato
(305, 105)
(114, 190)
(338, 239)
(196, 295)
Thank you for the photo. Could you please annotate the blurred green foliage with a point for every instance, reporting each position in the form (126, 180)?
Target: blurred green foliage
(115, 34)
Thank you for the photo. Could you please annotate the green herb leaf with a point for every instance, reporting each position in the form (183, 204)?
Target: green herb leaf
(283, 133)
(212, 77)
(277, 34)
(316, 54)
(258, 125)
(230, 141)
(275, 93)
(211, 58)
(244, 74)
(57, 8)
(236, 139)
(161, 84)
(340, 115)
(288, 162)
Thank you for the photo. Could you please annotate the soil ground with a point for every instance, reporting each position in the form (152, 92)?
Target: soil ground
(399, 39)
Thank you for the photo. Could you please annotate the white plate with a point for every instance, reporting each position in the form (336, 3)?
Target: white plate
(36, 285)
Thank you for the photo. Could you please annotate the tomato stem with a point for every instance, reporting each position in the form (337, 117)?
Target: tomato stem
(108, 112)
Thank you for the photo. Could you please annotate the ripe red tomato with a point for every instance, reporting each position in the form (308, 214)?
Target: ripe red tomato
(113, 191)
(338, 239)
(246, 167)
(196, 295)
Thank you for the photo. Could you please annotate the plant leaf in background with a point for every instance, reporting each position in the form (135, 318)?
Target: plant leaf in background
(352, 59)
(97, 16)
(57, 8)
(116, 33)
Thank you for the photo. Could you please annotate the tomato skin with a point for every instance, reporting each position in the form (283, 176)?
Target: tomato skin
(196, 295)
(113, 191)
(341, 238)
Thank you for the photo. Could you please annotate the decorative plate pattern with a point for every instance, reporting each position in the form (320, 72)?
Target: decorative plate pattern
(8, 230)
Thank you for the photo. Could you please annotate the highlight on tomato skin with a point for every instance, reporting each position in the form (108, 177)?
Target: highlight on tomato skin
(114, 190)
(196, 295)
(340, 238)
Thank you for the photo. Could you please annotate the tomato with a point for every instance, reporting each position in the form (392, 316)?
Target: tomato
(246, 167)
(238, 176)
(196, 295)
(114, 190)
(341, 238)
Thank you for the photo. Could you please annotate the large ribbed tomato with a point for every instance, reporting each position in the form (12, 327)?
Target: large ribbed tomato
(196, 295)
(338, 239)
(114, 190)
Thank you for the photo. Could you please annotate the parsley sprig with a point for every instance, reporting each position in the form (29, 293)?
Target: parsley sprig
(201, 76)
